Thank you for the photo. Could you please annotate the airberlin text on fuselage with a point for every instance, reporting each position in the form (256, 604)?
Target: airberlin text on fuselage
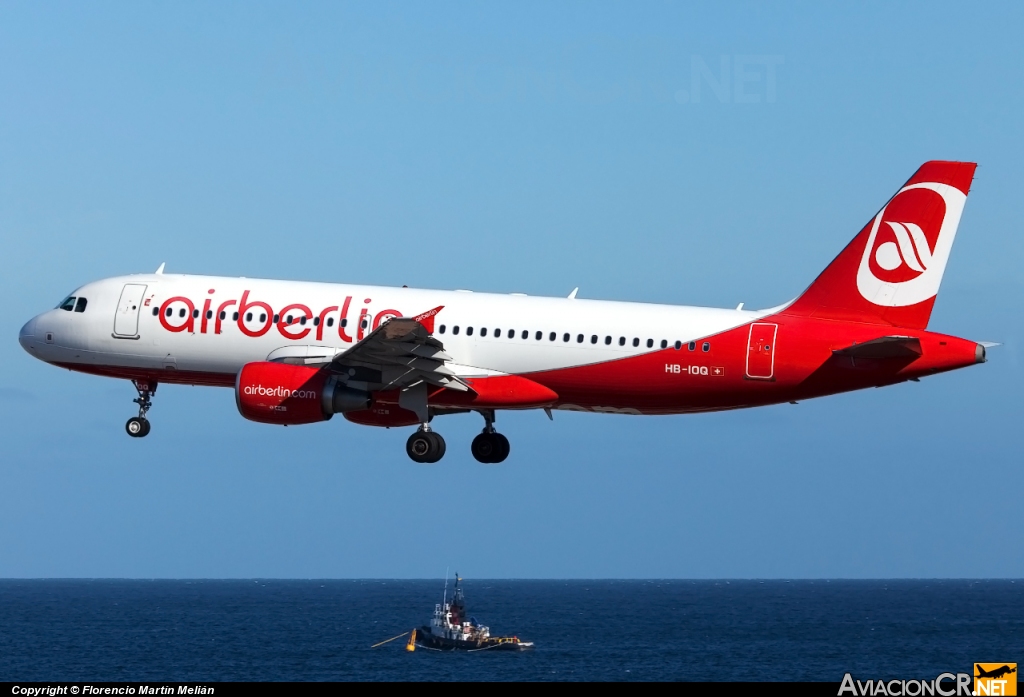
(256, 318)
(279, 391)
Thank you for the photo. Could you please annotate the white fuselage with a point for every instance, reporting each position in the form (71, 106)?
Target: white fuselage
(536, 333)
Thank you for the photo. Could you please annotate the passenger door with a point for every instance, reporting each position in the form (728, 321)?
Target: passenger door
(126, 321)
(761, 351)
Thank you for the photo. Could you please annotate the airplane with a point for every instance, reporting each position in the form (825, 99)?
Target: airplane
(300, 352)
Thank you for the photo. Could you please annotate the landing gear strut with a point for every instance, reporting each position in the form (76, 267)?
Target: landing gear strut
(490, 447)
(138, 426)
(425, 445)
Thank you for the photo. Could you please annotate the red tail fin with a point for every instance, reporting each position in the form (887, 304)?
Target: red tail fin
(891, 271)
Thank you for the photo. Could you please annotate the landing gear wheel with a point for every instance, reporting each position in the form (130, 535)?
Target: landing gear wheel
(425, 446)
(490, 448)
(439, 446)
(504, 448)
(137, 427)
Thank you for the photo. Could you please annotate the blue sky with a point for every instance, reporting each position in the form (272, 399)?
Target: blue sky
(530, 147)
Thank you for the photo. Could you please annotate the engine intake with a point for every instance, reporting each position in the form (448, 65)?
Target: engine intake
(278, 393)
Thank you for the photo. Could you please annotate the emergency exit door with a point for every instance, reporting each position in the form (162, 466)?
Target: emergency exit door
(761, 351)
(126, 321)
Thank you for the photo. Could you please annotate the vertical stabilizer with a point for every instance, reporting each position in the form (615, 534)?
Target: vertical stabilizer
(891, 271)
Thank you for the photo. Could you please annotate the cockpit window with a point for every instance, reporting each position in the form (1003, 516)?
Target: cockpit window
(80, 305)
(68, 304)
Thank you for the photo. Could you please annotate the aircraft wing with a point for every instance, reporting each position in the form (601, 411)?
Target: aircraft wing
(399, 353)
(883, 347)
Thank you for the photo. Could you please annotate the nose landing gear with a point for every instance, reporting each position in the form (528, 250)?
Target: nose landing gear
(138, 426)
(425, 445)
(490, 447)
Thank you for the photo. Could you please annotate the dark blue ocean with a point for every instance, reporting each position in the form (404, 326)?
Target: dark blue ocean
(109, 630)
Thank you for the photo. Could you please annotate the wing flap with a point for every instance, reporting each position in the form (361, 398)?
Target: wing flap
(404, 352)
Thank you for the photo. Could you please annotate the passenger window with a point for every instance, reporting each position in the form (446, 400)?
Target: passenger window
(181, 312)
(539, 336)
(469, 331)
(344, 322)
(330, 321)
(579, 338)
(692, 346)
(636, 341)
(364, 324)
(277, 319)
(607, 341)
(511, 333)
(441, 329)
(622, 341)
(679, 345)
(650, 343)
(497, 333)
(156, 311)
(455, 329)
(223, 314)
(565, 337)
(209, 314)
(195, 314)
(705, 347)
(551, 336)
(316, 321)
(664, 343)
(263, 317)
(526, 334)
(68, 304)
(593, 339)
(302, 320)
(234, 316)
(483, 331)
(80, 305)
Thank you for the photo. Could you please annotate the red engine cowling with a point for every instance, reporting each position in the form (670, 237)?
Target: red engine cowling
(279, 393)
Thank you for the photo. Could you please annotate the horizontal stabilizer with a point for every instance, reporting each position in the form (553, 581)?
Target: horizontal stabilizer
(884, 347)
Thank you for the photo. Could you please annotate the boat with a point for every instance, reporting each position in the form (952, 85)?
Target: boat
(451, 629)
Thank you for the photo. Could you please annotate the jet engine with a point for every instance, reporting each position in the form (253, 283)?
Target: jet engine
(279, 393)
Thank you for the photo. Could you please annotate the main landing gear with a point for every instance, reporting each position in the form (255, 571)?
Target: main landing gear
(138, 426)
(425, 445)
(490, 447)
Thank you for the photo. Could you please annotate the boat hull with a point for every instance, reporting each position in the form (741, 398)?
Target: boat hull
(428, 640)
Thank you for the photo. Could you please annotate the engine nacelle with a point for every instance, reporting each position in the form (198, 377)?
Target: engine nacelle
(279, 393)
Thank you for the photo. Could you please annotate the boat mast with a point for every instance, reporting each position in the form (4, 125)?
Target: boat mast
(445, 600)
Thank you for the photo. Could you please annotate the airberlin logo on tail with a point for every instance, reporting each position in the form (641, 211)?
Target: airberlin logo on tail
(911, 248)
(279, 391)
(909, 244)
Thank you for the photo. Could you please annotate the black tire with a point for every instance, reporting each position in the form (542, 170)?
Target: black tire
(504, 448)
(439, 448)
(145, 428)
(420, 446)
(484, 448)
(136, 427)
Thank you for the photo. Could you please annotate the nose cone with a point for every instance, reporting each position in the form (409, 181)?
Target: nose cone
(27, 335)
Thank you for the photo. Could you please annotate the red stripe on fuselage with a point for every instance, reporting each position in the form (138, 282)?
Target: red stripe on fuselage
(177, 377)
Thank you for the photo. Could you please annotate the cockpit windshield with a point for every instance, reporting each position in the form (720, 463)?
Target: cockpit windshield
(71, 303)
